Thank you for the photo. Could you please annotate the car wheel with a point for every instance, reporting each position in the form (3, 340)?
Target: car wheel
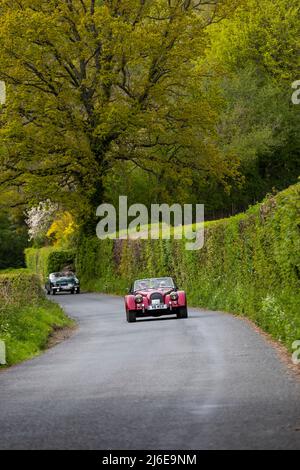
(78, 291)
(53, 292)
(72, 291)
(183, 313)
(131, 316)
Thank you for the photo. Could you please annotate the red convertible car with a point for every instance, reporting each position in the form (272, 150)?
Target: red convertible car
(154, 297)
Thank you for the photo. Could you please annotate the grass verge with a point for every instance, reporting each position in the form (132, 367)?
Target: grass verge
(26, 330)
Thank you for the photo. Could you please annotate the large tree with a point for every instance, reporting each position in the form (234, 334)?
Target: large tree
(253, 59)
(91, 83)
(13, 240)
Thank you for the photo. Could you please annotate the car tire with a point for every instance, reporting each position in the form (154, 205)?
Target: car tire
(131, 316)
(53, 292)
(78, 291)
(183, 313)
(72, 291)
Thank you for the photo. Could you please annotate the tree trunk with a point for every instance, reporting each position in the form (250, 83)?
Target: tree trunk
(89, 221)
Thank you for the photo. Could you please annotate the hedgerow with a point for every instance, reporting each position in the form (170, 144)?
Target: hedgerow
(43, 261)
(18, 288)
(26, 317)
(250, 265)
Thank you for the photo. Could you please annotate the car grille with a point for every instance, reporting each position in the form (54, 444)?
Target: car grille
(157, 296)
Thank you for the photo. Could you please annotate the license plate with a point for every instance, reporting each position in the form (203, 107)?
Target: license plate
(158, 307)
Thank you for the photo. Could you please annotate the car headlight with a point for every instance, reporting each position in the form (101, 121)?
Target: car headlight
(139, 299)
(173, 296)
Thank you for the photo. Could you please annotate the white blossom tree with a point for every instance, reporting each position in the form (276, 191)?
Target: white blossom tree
(40, 218)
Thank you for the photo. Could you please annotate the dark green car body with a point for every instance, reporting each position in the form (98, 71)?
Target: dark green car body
(62, 282)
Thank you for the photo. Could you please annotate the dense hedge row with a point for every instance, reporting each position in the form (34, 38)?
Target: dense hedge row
(18, 288)
(250, 265)
(48, 260)
(26, 317)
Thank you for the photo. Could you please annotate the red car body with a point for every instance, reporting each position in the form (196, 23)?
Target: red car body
(155, 300)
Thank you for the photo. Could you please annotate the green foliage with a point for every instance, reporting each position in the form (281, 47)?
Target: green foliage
(26, 317)
(250, 265)
(143, 95)
(44, 261)
(265, 33)
(102, 83)
(245, 75)
(13, 240)
(19, 287)
(252, 61)
(91, 268)
(26, 330)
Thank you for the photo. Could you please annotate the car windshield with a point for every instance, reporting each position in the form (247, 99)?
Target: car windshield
(60, 275)
(154, 283)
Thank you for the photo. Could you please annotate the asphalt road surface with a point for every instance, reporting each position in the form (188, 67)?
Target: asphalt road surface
(206, 382)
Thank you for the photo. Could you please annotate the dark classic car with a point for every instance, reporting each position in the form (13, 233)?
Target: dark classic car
(62, 282)
(155, 297)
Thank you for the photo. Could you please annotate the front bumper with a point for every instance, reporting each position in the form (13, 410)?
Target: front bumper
(65, 288)
(158, 310)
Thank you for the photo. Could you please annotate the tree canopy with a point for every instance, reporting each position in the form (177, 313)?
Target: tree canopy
(93, 83)
(162, 100)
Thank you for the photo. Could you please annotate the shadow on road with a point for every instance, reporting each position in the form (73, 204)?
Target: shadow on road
(139, 320)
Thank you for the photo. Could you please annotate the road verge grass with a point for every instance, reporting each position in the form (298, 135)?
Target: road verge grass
(27, 318)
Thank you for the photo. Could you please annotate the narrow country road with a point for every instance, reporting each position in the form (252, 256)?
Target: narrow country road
(206, 382)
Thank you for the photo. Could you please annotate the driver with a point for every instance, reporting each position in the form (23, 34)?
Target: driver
(142, 285)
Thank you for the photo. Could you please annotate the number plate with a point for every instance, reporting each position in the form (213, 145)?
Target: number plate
(158, 307)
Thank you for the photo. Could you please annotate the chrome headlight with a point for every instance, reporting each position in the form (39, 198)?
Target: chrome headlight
(173, 296)
(138, 298)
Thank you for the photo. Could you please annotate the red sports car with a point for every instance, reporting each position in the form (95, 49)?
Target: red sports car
(154, 297)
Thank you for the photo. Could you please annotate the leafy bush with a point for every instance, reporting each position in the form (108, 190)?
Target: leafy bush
(43, 261)
(13, 241)
(18, 288)
(250, 265)
(26, 317)
(26, 329)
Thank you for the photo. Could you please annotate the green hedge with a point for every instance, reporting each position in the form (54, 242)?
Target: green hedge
(26, 317)
(18, 288)
(250, 265)
(44, 261)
